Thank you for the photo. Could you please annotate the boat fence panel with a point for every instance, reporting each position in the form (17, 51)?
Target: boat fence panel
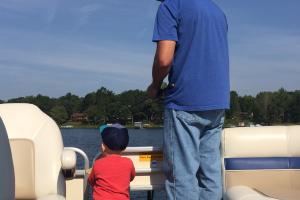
(76, 188)
(148, 166)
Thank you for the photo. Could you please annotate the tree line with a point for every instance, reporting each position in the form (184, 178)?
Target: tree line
(104, 106)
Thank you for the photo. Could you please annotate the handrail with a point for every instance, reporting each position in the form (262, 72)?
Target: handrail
(141, 149)
(147, 170)
(83, 154)
(86, 163)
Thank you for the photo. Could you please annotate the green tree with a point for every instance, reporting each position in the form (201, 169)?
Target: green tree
(125, 114)
(88, 100)
(134, 105)
(134, 100)
(71, 103)
(97, 105)
(261, 110)
(293, 111)
(45, 103)
(59, 114)
(153, 110)
(113, 111)
(277, 110)
(104, 98)
(28, 99)
(1, 101)
(94, 114)
(234, 106)
(247, 105)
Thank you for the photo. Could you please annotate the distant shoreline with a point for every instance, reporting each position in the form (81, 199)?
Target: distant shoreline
(160, 126)
(96, 127)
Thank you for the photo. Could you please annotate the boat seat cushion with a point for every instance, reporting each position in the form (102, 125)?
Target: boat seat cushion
(286, 163)
(266, 159)
(245, 193)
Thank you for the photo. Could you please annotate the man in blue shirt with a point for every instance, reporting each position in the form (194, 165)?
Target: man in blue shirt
(192, 49)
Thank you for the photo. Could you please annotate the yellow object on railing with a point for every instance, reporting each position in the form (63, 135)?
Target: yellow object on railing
(148, 165)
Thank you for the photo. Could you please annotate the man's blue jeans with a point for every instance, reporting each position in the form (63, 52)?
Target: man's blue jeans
(192, 163)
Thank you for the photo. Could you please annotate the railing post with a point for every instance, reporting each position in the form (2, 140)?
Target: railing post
(150, 195)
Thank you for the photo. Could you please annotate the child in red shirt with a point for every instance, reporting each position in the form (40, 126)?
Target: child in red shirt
(111, 174)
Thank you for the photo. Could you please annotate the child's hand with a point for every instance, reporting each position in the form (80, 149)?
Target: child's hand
(88, 171)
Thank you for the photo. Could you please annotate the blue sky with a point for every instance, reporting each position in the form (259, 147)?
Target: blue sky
(52, 47)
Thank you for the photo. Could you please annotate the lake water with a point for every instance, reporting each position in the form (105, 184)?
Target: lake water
(89, 139)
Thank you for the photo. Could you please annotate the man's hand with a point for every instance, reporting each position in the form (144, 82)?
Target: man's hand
(152, 91)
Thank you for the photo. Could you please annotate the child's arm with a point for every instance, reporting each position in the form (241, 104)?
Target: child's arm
(132, 172)
(91, 178)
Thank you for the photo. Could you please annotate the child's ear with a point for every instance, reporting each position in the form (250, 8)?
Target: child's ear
(103, 147)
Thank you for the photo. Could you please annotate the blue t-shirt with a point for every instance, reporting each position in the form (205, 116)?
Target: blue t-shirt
(200, 69)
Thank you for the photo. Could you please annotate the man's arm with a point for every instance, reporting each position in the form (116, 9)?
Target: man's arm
(161, 66)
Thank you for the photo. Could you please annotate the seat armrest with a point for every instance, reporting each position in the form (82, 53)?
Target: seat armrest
(68, 159)
(68, 163)
(244, 193)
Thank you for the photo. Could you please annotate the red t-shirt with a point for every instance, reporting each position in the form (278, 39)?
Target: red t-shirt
(110, 178)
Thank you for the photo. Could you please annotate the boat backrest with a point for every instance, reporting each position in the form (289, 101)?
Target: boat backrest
(24, 161)
(7, 179)
(36, 146)
(266, 159)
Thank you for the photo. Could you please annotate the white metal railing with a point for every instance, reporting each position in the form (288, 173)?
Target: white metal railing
(141, 149)
(83, 154)
(86, 164)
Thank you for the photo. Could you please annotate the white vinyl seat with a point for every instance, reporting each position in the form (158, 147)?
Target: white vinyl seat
(245, 193)
(261, 163)
(36, 147)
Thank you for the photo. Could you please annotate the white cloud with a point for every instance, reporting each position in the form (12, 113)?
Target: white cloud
(54, 66)
(84, 58)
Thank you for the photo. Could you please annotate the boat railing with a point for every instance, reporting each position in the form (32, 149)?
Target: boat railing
(148, 166)
(80, 177)
(83, 154)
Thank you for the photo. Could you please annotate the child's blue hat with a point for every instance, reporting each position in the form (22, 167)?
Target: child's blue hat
(114, 136)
